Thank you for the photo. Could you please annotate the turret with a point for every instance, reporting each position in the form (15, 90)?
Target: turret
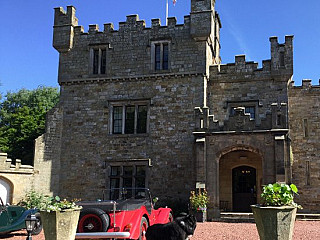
(202, 19)
(282, 55)
(205, 26)
(63, 29)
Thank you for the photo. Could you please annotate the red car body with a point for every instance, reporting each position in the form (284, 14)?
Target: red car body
(128, 217)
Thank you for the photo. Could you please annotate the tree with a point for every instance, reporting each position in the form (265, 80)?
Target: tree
(22, 120)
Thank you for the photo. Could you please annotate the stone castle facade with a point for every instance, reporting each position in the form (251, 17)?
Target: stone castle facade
(155, 107)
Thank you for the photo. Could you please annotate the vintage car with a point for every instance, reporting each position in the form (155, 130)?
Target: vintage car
(126, 216)
(12, 218)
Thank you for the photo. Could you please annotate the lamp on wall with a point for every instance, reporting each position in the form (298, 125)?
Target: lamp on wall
(30, 222)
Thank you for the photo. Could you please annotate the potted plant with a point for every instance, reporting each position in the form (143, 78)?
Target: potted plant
(276, 216)
(198, 204)
(59, 218)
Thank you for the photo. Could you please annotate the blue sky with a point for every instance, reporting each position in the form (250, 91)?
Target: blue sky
(28, 60)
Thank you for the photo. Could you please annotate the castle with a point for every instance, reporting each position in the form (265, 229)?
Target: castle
(155, 107)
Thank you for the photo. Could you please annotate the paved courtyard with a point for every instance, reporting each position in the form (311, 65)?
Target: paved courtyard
(304, 230)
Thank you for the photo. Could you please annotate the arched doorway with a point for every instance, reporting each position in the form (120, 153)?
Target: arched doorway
(240, 179)
(5, 190)
(244, 188)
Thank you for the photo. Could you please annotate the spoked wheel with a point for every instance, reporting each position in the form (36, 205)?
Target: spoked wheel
(93, 220)
(143, 228)
(38, 226)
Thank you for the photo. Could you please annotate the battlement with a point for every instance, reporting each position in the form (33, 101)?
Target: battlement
(6, 165)
(305, 85)
(134, 23)
(281, 62)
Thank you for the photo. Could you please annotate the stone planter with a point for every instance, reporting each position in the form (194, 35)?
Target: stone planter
(60, 225)
(201, 216)
(274, 223)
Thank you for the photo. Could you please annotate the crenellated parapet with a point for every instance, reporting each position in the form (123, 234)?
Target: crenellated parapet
(130, 50)
(280, 64)
(6, 165)
(305, 85)
(276, 119)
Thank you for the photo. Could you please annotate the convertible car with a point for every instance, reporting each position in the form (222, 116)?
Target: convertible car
(126, 215)
(12, 218)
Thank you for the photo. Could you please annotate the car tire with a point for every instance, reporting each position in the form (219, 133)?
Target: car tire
(38, 226)
(93, 220)
(143, 228)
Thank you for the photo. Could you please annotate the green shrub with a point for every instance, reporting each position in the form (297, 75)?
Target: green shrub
(37, 200)
(279, 194)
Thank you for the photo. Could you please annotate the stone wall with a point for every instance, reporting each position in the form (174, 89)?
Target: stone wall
(304, 122)
(88, 148)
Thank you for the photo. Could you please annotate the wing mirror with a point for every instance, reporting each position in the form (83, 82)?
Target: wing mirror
(154, 200)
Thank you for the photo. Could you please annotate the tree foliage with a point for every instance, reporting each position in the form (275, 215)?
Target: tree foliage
(22, 120)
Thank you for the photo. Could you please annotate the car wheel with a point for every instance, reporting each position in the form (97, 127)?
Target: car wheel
(38, 226)
(93, 220)
(143, 228)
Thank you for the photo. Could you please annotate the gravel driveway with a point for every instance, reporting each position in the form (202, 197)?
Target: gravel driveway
(304, 230)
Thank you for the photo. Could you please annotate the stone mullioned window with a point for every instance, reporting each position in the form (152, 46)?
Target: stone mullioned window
(128, 177)
(129, 117)
(160, 55)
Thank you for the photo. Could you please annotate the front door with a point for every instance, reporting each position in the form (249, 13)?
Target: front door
(243, 188)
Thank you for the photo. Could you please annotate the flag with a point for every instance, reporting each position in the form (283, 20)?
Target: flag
(174, 2)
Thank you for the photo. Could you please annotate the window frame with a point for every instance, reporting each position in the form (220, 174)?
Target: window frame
(164, 60)
(124, 120)
(100, 60)
(121, 176)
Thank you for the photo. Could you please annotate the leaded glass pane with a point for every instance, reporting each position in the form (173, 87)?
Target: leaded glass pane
(129, 126)
(157, 56)
(95, 61)
(117, 119)
(142, 119)
(103, 61)
(165, 61)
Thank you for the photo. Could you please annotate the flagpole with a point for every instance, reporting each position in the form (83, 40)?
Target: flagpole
(167, 12)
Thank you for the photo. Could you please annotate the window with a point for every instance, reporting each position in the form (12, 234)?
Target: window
(308, 172)
(129, 118)
(247, 109)
(160, 56)
(133, 176)
(98, 58)
(305, 128)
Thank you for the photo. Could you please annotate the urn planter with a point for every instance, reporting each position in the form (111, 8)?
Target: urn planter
(60, 225)
(273, 222)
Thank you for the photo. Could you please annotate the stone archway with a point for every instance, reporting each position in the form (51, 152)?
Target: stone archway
(6, 189)
(240, 179)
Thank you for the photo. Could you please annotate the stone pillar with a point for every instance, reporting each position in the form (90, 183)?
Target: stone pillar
(3, 159)
(200, 160)
(212, 184)
(280, 157)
